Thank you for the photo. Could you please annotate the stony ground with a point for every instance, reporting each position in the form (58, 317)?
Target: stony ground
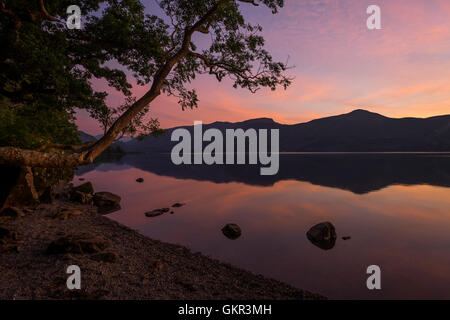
(116, 262)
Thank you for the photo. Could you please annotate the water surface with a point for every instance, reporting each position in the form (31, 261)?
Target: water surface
(395, 207)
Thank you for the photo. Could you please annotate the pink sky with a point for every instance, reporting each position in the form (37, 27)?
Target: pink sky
(340, 65)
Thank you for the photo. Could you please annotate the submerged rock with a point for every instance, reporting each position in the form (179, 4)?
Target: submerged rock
(157, 212)
(178, 205)
(232, 231)
(106, 202)
(322, 235)
(78, 244)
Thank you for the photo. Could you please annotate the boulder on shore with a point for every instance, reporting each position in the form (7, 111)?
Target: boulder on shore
(232, 231)
(322, 235)
(81, 197)
(85, 188)
(106, 202)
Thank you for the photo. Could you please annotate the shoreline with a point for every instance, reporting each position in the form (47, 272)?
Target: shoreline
(128, 266)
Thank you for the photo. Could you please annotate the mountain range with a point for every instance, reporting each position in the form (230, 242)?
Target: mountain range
(357, 131)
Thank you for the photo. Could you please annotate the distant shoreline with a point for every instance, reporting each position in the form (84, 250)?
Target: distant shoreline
(316, 152)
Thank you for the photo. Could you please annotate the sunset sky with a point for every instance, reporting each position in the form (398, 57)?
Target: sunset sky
(340, 65)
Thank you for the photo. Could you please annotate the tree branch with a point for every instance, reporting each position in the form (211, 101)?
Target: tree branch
(17, 21)
(250, 1)
(155, 90)
(45, 12)
(64, 147)
(31, 158)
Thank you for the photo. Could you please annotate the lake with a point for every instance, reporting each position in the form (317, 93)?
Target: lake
(395, 208)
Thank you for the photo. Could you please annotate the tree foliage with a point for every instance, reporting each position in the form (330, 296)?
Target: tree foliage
(46, 70)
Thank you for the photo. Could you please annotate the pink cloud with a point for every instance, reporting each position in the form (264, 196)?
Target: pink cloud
(403, 69)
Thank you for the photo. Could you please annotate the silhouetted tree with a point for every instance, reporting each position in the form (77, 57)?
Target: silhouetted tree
(46, 69)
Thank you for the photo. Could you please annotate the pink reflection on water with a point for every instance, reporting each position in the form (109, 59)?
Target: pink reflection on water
(403, 229)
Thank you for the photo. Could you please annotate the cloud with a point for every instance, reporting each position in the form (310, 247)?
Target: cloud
(401, 70)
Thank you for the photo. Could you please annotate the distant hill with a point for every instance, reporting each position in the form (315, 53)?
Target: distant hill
(112, 149)
(123, 139)
(357, 131)
(85, 137)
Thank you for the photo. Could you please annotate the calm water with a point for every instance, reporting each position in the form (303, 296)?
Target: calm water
(395, 207)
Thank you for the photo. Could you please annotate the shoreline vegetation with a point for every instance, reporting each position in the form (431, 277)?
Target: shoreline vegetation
(38, 244)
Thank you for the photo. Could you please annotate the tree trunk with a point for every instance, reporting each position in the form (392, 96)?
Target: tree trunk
(28, 186)
(20, 189)
(27, 159)
(32, 158)
(10, 176)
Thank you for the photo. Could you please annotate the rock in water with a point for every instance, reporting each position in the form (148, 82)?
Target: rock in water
(85, 188)
(232, 231)
(106, 202)
(78, 244)
(322, 235)
(346, 238)
(157, 212)
(140, 180)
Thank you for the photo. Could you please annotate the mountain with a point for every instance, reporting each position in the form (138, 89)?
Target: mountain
(123, 139)
(86, 137)
(357, 131)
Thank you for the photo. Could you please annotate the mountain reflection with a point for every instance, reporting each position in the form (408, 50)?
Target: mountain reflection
(358, 173)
